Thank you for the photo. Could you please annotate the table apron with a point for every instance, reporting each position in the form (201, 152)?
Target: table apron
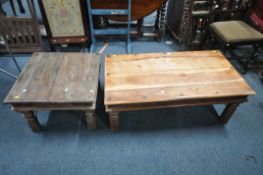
(173, 104)
(53, 106)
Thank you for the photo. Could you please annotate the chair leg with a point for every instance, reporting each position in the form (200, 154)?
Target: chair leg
(250, 61)
(157, 20)
(203, 40)
(256, 52)
(254, 63)
(10, 52)
(13, 7)
(225, 49)
(8, 73)
(246, 66)
(91, 48)
(129, 28)
(129, 46)
(2, 12)
(14, 59)
(139, 27)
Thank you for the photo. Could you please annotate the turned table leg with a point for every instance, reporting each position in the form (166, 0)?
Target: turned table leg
(90, 119)
(114, 121)
(31, 120)
(228, 112)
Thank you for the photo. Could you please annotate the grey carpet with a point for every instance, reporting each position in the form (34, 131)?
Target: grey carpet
(186, 140)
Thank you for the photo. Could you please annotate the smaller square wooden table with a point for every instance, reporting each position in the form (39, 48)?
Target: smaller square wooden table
(165, 80)
(57, 81)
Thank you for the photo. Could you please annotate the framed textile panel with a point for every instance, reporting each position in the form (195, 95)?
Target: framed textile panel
(65, 20)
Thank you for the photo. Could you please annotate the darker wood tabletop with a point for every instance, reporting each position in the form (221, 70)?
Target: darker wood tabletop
(57, 81)
(57, 78)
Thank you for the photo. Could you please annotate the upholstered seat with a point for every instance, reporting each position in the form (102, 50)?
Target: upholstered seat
(236, 31)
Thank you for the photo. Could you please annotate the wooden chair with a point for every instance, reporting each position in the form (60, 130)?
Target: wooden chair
(230, 34)
(21, 33)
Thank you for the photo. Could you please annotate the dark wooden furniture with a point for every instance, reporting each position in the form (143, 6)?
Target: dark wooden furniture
(256, 18)
(57, 81)
(231, 34)
(231, 9)
(165, 80)
(21, 33)
(188, 20)
(179, 20)
(140, 8)
(200, 15)
(66, 21)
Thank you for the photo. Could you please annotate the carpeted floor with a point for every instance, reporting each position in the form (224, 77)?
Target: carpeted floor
(186, 140)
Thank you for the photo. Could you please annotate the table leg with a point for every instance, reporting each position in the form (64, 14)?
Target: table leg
(228, 112)
(31, 120)
(114, 121)
(90, 119)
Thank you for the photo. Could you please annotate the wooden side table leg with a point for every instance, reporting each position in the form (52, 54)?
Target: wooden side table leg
(90, 119)
(228, 112)
(31, 120)
(114, 121)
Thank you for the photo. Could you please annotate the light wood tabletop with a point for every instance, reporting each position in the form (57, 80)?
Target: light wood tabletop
(161, 80)
(142, 78)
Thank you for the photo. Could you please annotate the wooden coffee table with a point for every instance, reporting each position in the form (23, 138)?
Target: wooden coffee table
(57, 81)
(167, 80)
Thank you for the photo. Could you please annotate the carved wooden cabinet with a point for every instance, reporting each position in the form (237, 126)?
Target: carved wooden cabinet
(179, 19)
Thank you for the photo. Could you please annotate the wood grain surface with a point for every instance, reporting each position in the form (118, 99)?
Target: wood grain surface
(57, 78)
(162, 77)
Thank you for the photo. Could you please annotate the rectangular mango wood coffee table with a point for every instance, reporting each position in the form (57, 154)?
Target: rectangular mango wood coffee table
(165, 80)
(57, 81)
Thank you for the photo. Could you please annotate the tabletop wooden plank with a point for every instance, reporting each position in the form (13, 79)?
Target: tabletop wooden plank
(182, 55)
(81, 81)
(57, 78)
(44, 76)
(31, 74)
(172, 79)
(142, 78)
(165, 65)
(173, 93)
